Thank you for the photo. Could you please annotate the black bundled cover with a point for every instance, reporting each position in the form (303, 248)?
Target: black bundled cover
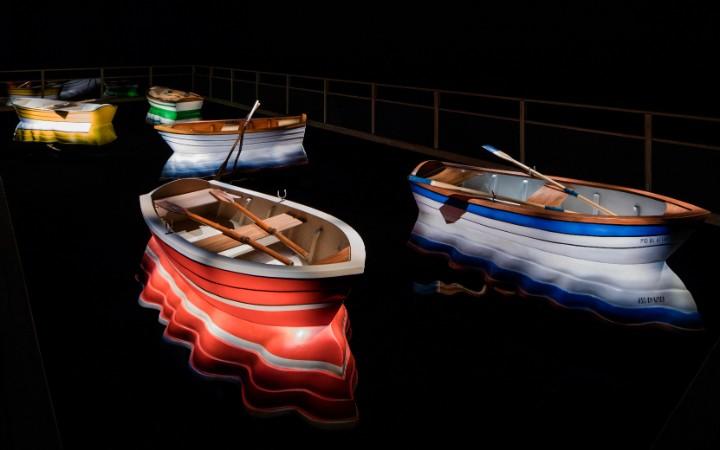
(83, 88)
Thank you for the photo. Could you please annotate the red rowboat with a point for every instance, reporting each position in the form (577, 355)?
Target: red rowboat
(251, 306)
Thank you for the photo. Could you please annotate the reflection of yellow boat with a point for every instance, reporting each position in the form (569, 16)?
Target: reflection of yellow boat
(43, 120)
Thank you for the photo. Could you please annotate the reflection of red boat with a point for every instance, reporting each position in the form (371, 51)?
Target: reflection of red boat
(284, 337)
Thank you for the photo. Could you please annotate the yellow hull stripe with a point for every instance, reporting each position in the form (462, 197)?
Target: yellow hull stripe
(97, 135)
(101, 116)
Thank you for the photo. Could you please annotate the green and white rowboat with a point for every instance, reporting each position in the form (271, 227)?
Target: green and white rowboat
(168, 106)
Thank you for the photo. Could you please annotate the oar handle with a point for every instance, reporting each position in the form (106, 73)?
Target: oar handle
(262, 224)
(239, 237)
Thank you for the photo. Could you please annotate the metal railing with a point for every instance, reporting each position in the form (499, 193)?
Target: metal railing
(377, 94)
(144, 75)
(434, 109)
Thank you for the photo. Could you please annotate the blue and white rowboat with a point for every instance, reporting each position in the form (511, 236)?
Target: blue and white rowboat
(518, 229)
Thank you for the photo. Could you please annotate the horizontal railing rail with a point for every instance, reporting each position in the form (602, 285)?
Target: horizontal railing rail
(439, 103)
(240, 87)
(146, 74)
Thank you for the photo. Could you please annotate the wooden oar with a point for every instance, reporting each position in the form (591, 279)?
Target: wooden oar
(501, 154)
(172, 207)
(239, 140)
(485, 195)
(225, 198)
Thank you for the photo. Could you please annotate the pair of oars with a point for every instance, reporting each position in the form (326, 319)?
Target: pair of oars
(535, 173)
(240, 139)
(225, 198)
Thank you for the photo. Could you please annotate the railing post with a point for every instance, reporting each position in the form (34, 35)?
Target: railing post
(648, 151)
(287, 94)
(257, 85)
(436, 119)
(210, 80)
(192, 78)
(325, 94)
(522, 130)
(102, 81)
(150, 76)
(373, 97)
(42, 83)
(232, 85)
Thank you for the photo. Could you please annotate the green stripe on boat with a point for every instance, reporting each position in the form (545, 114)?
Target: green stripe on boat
(174, 115)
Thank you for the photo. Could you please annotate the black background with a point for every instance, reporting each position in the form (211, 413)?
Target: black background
(506, 370)
(634, 54)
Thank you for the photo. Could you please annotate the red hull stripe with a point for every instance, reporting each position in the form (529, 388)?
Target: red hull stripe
(292, 315)
(306, 347)
(254, 289)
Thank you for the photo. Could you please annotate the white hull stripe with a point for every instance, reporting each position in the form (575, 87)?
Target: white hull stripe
(621, 285)
(182, 106)
(615, 249)
(50, 125)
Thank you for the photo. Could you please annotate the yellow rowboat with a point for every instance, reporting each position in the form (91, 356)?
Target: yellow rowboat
(43, 120)
(30, 89)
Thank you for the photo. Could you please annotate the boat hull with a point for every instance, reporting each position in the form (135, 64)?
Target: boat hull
(287, 358)
(203, 154)
(617, 271)
(258, 290)
(82, 127)
(169, 113)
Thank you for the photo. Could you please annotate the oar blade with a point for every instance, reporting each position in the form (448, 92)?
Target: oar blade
(170, 206)
(256, 105)
(221, 196)
(497, 152)
(417, 179)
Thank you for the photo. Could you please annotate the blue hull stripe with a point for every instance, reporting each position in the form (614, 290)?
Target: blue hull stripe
(616, 313)
(556, 226)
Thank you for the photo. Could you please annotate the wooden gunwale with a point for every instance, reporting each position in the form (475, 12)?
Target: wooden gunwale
(689, 212)
(186, 128)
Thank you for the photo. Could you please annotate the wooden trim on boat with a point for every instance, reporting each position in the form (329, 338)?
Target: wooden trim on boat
(183, 96)
(195, 127)
(676, 210)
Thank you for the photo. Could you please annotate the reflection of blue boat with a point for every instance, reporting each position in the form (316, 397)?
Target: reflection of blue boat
(199, 148)
(612, 265)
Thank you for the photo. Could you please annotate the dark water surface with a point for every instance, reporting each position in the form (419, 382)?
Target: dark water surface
(505, 368)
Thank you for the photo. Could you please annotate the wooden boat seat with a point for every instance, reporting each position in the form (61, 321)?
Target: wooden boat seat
(341, 256)
(214, 241)
(195, 199)
(453, 176)
(548, 196)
